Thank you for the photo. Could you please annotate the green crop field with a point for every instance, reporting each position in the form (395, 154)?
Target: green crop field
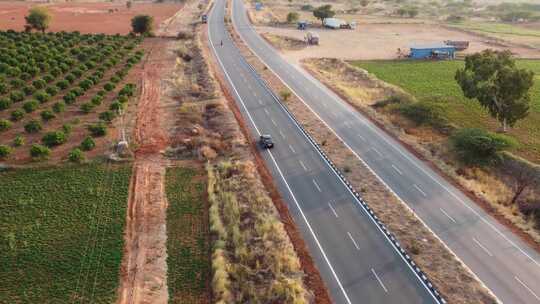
(62, 233)
(188, 260)
(434, 80)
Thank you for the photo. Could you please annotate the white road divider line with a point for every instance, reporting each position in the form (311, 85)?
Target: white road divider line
(260, 102)
(419, 190)
(282, 177)
(397, 170)
(292, 149)
(447, 215)
(361, 137)
(333, 210)
(353, 241)
(527, 287)
(482, 246)
(281, 133)
(273, 122)
(379, 280)
(316, 185)
(266, 111)
(302, 164)
(377, 151)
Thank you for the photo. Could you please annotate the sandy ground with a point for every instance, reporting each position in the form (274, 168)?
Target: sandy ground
(381, 41)
(87, 17)
(144, 266)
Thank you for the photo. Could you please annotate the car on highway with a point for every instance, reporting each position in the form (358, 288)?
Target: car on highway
(266, 141)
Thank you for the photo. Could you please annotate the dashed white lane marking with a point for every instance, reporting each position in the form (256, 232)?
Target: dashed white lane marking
(379, 280)
(482, 246)
(397, 170)
(353, 241)
(316, 185)
(419, 190)
(292, 149)
(266, 111)
(361, 137)
(281, 133)
(447, 215)
(527, 287)
(377, 151)
(254, 94)
(260, 102)
(333, 210)
(302, 164)
(273, 122)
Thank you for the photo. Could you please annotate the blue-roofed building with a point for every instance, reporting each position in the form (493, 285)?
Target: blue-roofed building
(258, 6)
(433, 51)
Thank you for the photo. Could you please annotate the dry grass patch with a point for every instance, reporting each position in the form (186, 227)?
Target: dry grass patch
(284, 42)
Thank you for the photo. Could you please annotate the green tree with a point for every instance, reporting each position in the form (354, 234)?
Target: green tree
(142, 24)
(492, 78)
(323, 11)
(292, 17)
(38, 18)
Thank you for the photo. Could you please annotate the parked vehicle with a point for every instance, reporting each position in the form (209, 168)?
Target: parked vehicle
(312, 38)
(204, 18)
(459, 45)
(266, 141)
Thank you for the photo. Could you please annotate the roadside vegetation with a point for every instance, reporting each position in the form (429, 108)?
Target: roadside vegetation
(62, 233)
(188, 258)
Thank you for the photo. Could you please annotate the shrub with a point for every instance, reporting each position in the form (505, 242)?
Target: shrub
(292, 17)
(76, 155)
(107, 116)
(101, 93)
(70, 98)
(88, 144)
(62, 84)
(96, 100)
(52, 91)
(16, 96)
(87, 107)
(33, 126)
(116, 106)
(479, 147)
(307, 7)
(59, 107)
(122, 99)
(39, 84)
(42, 96)
(424, 113)
(285, 95)
(5, 151)
(5, 103)
(29, 90)
(18, 141)
(17, 115)
(4, 124)
(86, 84)
(109, 86)
(55, 138)
(30, 106)
(67, 128)
(77, 91)
(47, 115)
(39, 152)
(98, 129)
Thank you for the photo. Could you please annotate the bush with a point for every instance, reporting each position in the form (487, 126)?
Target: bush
(39, 84)
(107, 116)
(479, 147)
(55, 138)
(29, 90)
(424, 113)
(4, 124)
(70, 98)
(96, 100)
(59, 107)
(109, 86)
(76, 155)
(307, 7)
(17, 115)
(39, 152)
(16, 96)
(5, 103)
(292, 17)
(5, 151)
(47, 115)
(285, 95)
(97, 130)
(30, 106)
(18, 141)
(52, 91)
(33, 126)
(116, 106)
(42, 96)
(87, 107)
(88, 144)
(67, 128)
(62, 84)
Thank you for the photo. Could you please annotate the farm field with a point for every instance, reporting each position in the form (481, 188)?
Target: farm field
(509, 32)
(435, 81)
(188, 260)
(87, 17)
(62, 233)
(60, 89)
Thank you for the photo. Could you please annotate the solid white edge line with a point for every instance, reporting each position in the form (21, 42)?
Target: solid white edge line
(482, 246)
(379, 280)
(376, 175)
(447, 215)
(353, 241)
(338, 281)
(527, 287)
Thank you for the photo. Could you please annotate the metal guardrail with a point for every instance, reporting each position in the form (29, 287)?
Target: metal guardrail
(389, 235)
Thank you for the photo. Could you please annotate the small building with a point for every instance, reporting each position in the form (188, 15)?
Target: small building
(333, 23)
(433, 51)
(258, 6)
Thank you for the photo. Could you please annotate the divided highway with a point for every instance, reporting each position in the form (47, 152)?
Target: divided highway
(356, 260)
(506, 264)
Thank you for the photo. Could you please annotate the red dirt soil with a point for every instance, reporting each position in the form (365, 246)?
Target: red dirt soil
(87, 17)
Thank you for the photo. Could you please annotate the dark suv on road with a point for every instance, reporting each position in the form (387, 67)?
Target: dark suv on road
(266, 141)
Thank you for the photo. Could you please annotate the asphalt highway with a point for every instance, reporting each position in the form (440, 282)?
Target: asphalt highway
(509, 267)
(356, 260)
